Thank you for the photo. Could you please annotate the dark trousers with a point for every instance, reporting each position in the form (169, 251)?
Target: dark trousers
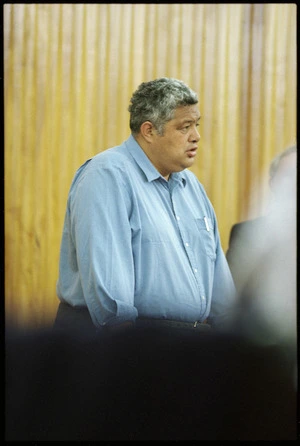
(73, 319)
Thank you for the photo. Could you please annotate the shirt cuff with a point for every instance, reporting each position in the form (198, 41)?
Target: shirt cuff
(125, 312)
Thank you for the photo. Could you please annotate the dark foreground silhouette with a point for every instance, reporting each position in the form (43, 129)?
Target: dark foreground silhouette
(146, 385)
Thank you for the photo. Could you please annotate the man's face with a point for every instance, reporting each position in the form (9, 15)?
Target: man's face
(176, 149)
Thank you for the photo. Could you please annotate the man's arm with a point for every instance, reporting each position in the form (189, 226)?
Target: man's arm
(224, 291)
(101, 231)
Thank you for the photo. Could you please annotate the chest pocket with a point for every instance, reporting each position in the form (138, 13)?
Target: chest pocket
(207, 239)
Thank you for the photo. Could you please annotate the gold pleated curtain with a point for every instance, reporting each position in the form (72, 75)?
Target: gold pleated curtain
(69, 72)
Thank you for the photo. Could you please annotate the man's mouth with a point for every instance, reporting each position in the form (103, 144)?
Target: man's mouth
(192, 152)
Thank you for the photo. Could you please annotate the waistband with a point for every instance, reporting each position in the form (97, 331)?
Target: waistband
(167, 323)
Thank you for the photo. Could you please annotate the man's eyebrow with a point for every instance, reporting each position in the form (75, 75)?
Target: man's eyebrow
(185, 121)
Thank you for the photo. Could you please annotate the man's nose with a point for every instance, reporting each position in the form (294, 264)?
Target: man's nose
(196, 135)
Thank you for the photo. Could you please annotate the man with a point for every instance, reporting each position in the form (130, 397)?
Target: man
(140, 240)
(250, 239)
(262, 259)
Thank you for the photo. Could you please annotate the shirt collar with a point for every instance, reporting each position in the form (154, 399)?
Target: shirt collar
(145, 164)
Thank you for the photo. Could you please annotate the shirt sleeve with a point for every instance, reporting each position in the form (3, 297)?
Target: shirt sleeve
(100, 228)
(224, 292)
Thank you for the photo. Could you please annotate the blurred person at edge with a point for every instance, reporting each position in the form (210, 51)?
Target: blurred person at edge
(262, 259)
(140, 239)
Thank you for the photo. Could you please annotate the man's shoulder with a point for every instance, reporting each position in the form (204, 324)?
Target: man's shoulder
(191, 178)
(114, 159)
(111, 158)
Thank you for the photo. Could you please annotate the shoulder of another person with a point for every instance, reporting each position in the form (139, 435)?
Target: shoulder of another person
(247, 226)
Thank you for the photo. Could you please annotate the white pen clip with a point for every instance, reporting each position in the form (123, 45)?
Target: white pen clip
(206, 223)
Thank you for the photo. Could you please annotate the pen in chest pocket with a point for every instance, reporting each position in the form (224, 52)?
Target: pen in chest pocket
(206, 223)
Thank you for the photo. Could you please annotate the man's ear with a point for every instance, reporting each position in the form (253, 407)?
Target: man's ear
(147, 130)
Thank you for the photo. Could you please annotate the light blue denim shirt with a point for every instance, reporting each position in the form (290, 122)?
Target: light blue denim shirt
(134, 244)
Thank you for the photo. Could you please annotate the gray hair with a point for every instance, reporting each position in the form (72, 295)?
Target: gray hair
(276, 161)
(156, 101)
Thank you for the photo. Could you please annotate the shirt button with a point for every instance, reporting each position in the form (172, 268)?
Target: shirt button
(203, 297)
(178, 218)
(195, 269)
(186, 244)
